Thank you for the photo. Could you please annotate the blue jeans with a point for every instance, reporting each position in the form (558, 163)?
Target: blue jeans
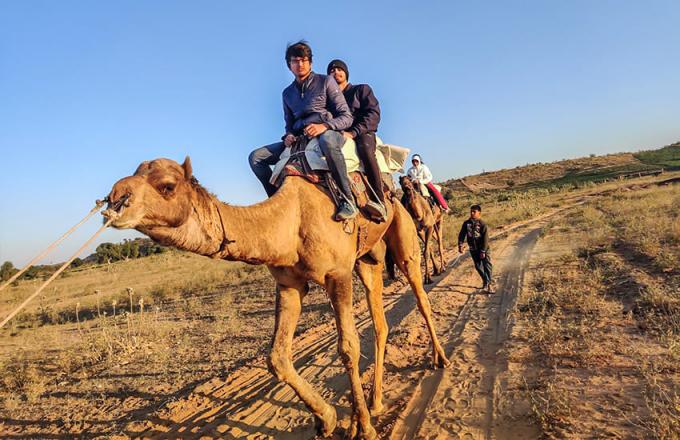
(262, 159)
(483, 266)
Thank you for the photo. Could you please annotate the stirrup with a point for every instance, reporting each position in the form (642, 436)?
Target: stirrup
(376, 211)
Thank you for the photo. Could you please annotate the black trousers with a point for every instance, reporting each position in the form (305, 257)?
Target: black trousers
(366, 151)
(484, 266)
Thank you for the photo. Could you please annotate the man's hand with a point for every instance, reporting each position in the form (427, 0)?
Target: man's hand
(347, 135)
(460, 248)
(482, 255)
(314, 130)
(288, 140)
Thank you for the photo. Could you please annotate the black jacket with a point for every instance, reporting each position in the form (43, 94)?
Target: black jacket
(364, 107)
(477, 235)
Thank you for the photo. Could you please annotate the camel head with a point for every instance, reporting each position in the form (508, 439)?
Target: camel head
(411, 193)
(158, 194)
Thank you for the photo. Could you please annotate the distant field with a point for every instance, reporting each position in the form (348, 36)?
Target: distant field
(667, 157)
(569, 172)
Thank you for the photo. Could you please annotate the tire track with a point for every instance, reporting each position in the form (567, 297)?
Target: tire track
(461, 400)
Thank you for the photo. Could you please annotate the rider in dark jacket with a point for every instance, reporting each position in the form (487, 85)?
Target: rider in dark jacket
(366, 112)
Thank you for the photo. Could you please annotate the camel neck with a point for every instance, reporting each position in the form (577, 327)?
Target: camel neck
(263, 233)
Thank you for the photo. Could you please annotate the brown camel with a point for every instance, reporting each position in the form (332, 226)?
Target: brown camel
(429, 222)
(294, 235)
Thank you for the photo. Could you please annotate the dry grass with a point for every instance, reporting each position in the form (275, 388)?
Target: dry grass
(605, 311)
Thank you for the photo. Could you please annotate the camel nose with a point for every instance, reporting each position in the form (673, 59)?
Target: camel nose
(122, 188)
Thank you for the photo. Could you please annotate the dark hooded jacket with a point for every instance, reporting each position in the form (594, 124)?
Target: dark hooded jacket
(364, 107)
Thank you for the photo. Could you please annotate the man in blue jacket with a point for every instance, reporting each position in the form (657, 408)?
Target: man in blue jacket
(313, 105)
(365, 109)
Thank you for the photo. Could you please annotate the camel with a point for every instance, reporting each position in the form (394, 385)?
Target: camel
(429, 222)
(293, 233)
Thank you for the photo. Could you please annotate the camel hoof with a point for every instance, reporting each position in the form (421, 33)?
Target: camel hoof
(377, 408)
(440, 361)
(369, 434)
(353, 431)
(325, 425)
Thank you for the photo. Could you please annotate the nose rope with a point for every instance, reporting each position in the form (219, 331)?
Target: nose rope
(112, 213)
(56, 274)
(98, 205)
(115, 210)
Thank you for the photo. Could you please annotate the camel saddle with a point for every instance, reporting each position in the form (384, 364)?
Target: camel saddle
(295, 162)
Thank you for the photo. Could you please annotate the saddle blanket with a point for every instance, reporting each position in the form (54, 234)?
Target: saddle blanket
(391, 158)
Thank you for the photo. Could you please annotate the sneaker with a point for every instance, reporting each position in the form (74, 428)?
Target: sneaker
(376, 211)
(346, 211)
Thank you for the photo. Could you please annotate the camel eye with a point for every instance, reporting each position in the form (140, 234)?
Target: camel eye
(167, 188)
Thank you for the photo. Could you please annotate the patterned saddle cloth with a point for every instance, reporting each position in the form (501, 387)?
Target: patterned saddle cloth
(304, 159)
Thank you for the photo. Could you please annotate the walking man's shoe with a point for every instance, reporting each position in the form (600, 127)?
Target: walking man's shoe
(346, 211)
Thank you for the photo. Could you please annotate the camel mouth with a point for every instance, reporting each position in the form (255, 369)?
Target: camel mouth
(116, 211)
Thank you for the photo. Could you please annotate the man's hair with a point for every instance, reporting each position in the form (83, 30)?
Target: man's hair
(476, 208)
(300, 49)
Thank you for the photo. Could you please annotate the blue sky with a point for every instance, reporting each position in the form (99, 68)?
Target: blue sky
(90, 89)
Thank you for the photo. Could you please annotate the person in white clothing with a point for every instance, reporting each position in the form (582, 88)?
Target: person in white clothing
(421, 174)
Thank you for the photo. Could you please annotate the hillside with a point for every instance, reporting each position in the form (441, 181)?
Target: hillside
(571, 171)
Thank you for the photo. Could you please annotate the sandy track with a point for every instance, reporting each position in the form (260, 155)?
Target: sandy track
(459, 402)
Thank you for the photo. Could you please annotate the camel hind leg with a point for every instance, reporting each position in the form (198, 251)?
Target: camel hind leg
(402, 243)
(370, 273)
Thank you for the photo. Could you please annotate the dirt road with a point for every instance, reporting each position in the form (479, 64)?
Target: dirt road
(459, 402)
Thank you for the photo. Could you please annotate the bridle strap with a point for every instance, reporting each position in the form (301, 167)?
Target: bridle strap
(225, 240)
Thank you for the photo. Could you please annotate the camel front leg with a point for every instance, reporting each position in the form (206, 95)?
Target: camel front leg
(439, 229)
(371, 276)
(437, 267)
(424, 235)
(280, 362)
(339, 288)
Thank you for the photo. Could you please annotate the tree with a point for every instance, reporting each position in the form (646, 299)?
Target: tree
(7, 270)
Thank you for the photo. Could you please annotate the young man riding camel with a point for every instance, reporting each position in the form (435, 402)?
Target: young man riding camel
(313, 106)
(366, 112)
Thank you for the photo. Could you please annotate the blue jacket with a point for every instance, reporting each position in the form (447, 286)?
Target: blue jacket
(317, 100)
(364, 107)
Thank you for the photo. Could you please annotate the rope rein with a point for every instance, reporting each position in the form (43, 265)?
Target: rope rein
(112, 213)
(98, 205)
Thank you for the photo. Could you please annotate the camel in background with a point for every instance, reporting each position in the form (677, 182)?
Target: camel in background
(429, 221)
(294, 234)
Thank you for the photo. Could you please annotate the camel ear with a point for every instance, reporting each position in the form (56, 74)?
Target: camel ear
(188, 172)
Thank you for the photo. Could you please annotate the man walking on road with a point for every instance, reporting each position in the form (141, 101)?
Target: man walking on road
(477, 234)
